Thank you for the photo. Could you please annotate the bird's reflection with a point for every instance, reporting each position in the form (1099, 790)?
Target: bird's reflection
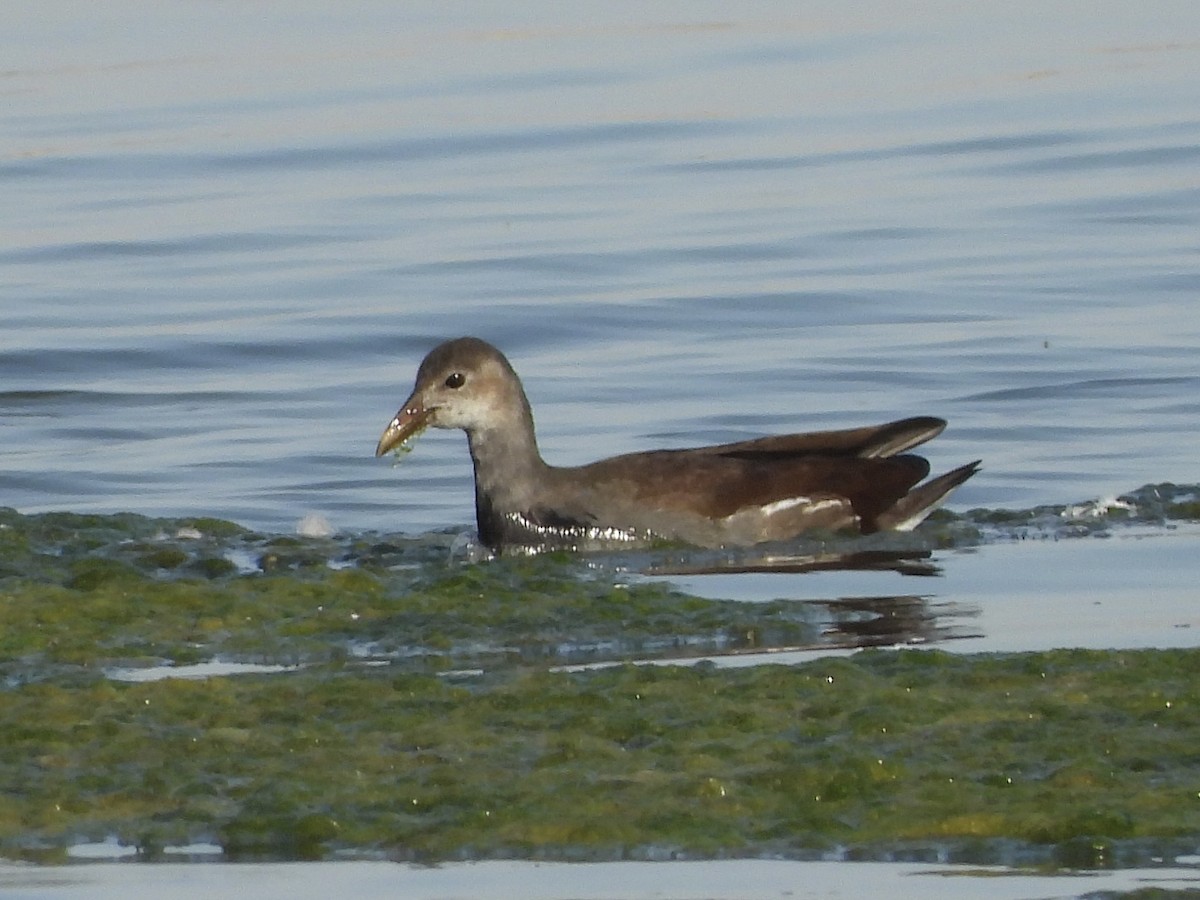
(888, 621)
(906, 562)
(841, 623)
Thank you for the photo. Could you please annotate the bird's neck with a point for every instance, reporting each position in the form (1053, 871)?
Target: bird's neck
(509, 472)
(508, 466)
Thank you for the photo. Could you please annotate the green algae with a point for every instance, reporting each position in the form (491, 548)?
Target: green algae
(45, 547)
(886, 747)
(425, 721)
(106, 612)
(1189, 510)
(96, 592)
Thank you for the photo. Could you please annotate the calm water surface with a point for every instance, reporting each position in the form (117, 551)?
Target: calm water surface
(231, 232)
(726, 880)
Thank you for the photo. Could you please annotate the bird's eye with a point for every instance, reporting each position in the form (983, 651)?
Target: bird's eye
(456, 380)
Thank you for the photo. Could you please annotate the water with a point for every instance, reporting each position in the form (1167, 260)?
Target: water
(231, 233)
(742, 879)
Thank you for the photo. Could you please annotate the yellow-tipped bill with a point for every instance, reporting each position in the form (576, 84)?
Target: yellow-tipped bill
(408, 423)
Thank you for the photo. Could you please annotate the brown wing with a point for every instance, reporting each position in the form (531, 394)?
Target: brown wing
(718, 485)
(871, 441)
(871, 485)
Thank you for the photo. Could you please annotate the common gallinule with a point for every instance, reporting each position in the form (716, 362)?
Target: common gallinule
(743, 493)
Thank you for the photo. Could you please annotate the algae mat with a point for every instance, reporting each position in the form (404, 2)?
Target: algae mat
(885, 747)
(423, 714)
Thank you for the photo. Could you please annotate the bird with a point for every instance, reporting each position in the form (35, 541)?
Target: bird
(727, 495)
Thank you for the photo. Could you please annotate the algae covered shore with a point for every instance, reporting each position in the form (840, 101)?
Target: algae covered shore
(888, 747)
(425, 709)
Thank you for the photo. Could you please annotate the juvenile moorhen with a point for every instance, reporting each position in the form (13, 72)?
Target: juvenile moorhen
(743, 493)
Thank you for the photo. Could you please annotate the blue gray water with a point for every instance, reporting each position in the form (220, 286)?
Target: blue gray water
(230, 232)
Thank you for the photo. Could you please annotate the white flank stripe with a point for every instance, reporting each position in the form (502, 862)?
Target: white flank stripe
(788, 503)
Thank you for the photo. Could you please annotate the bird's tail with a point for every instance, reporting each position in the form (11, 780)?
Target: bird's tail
(910, 510)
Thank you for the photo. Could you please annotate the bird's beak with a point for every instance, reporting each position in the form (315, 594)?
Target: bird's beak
(410, 421)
